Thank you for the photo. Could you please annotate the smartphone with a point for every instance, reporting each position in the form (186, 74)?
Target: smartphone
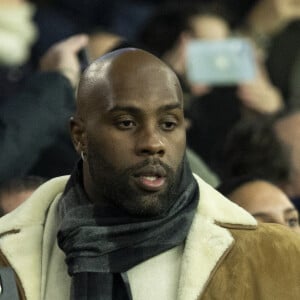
(222, 62)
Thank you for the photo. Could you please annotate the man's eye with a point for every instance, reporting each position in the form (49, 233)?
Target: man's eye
(169, 125)
(293, 222)
(126, 124)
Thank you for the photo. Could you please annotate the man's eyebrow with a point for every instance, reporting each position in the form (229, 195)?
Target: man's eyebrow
(289, 210)
(261, 215)
(131, 109)
(136, 110)
(171, 106)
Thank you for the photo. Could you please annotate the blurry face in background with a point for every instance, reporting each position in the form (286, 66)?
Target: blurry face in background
(10, 201)
(266, 203)
(209, 27)
(288, 131)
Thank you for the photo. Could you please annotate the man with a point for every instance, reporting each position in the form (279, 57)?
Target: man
(132, 222)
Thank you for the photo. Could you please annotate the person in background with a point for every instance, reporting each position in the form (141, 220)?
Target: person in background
(267, 148)
(274, 26)
(18, 33)
(173, 26)
(33, 121)
(287, 129)
(262, 199)
(253, 147)
(15, 191)
(132, 217)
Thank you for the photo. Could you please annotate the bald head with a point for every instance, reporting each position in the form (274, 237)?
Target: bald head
(122, 69)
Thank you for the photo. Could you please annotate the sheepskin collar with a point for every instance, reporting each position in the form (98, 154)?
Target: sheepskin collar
(22, 233)
(208, 241)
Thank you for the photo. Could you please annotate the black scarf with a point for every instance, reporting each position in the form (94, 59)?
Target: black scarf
(100, 249)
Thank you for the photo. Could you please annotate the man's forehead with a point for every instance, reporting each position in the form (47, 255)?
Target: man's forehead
(108, 82)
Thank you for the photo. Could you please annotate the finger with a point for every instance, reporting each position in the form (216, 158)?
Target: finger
(292, 8)
(199, 89)
(75, 42)
(249, 95)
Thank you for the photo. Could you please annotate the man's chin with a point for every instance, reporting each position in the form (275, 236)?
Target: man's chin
(145, 205)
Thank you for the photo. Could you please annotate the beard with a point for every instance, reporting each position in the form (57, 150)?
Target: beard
(116, 188)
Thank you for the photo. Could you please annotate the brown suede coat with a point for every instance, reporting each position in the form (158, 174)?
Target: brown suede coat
(263, 264)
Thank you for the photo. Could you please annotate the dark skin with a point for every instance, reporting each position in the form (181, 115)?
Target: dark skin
(130, 126)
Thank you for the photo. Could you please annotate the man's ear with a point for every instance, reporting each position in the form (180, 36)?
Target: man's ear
(78, 134)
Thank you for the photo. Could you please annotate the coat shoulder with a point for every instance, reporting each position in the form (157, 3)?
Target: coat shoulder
(263, 263)
(273, 238)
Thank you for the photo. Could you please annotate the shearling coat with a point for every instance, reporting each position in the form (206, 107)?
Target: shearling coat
(226, 255)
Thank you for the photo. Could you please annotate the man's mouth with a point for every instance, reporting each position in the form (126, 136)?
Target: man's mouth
(151, 183)
(151, 178)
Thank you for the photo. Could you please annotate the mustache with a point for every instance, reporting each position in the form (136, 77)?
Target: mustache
(150, 164)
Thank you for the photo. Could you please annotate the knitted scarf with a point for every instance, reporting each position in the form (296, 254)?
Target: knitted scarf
(100, 249)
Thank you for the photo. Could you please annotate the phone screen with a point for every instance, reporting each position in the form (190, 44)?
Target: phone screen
(226, 62)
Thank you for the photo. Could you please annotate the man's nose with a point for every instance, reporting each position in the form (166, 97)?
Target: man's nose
(150, 142)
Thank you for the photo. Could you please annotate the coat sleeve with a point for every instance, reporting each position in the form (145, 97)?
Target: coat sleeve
(30, 120)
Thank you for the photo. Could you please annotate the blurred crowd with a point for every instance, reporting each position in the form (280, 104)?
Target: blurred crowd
(241, 131)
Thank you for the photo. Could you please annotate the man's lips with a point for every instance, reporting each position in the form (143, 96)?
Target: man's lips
(151, 178)
(151, 183)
